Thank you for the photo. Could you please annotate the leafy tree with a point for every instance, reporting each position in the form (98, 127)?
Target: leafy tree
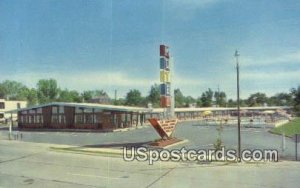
(179, 98)
(98, 93)
(206, 98)
(13, 90)
(88, 95)
(154, 95)
(47, 90)
(257, 99)
(134, 98)
(199, 102)
(32, 97)
(120, 102)
(69, 96)
(231, 103)
(281, 99)
(189, 100)
(220, 98)
(296, 100)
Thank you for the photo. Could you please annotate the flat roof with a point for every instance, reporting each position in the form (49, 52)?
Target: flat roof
(87, 105)
(202, 109)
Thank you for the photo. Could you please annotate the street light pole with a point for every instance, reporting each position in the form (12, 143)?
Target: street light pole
(236, 55)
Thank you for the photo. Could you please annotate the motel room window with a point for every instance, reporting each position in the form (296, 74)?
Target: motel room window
(38, 117)
(88, 115)
(88, 118)
(58, 115)
(97, 117)
(54, 117)
(39, 110)
(54, 110)
(78, 118)
(31, 116)
(2, 105)
(23, 117)
(41, 120)
(78, 115)
(61, 109)
(62, 119)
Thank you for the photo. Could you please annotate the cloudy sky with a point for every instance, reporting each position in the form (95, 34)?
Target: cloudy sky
(114, 44)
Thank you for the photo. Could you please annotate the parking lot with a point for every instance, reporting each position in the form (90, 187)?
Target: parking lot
(198, 134)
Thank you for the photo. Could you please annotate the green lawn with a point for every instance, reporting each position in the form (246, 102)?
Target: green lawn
(290, 129)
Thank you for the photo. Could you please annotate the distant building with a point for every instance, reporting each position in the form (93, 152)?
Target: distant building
(100, 100)
(8, 106)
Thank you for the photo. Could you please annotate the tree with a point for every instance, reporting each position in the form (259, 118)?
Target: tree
(189, 100)
(134, 98)
(47, 90)
(120, 101)
(206, 98)
(296, 100)
(257, 99)
(32, 97)
(88, 95)
(13, 90)
(99, 93)
(154, 95)
(199, 102)
(220, 98)
(231, 103)
(281, 99)
(69, 96)
(179, 98)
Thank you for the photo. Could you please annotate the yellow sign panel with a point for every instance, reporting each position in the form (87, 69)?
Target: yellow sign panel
(164, 76)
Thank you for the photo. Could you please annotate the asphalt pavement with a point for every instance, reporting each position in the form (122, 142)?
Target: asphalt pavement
(198, 134)
(28, 164)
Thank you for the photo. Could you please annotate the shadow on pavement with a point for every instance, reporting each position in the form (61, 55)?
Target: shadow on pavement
(118, 145)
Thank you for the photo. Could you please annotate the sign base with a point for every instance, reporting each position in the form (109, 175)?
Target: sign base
(164, 142)
(164, 128)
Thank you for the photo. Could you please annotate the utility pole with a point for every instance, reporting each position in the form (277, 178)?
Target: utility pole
(115, 95)
(236, 55)
(218, 97)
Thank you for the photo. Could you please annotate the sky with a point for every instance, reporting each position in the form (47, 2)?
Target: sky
(114, 44)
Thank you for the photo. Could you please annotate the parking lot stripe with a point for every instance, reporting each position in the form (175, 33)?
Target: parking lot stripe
(95, 176)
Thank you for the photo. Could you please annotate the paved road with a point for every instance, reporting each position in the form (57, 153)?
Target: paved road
(25, 164)
(200, 137)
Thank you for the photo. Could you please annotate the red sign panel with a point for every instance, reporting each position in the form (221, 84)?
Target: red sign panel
(165, 101)
(164, 128)
(164, 51)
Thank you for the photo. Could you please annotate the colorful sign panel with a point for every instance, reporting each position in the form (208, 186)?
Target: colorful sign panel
(164, 63)
(165, 78)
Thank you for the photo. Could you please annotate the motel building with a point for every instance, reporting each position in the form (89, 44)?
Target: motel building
(59, 115)
(7, 105)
